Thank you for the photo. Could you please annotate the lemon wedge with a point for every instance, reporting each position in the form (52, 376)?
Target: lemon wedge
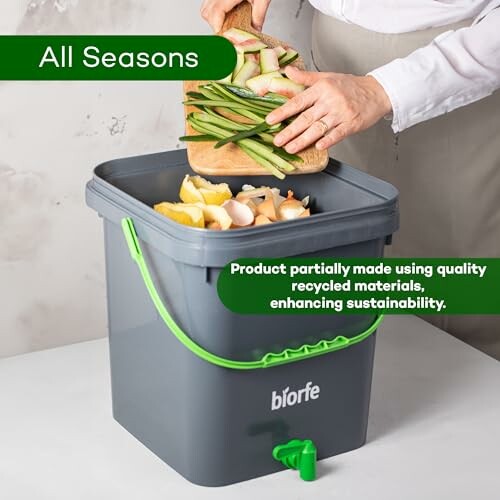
(213, 194)
(188, 215)
(216, 214)
(189, 193)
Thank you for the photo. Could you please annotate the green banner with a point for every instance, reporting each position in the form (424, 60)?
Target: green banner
(115, 57)
(354, 286)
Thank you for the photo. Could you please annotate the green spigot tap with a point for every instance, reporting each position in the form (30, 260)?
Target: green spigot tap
(298, 455)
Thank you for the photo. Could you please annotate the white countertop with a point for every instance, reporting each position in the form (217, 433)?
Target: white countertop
(434, 430)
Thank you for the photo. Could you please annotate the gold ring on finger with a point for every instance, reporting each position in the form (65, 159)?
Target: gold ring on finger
(326, 128)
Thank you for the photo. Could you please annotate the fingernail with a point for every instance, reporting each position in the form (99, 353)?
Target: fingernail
(291, 149)
(278, 140)
(320, 146)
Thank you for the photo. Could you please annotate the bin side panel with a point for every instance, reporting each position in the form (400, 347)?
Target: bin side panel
(217, 426)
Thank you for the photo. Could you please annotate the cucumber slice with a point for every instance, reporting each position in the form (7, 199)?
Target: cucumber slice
(290, 56)
(240, 61)
(198, 138)
(280, 51)
(235, 116)
(237, 36)
(263, 162)
(262, 150)
(276, 97)
(252, 116)
(264, 104)
(229, 123)
(285, 87)
(268, 61)
(267, 138)
(262, 127)
(248, 94)
(248, 70)
(250, 46)
(260, 84)
(226, 94)
(219, 104)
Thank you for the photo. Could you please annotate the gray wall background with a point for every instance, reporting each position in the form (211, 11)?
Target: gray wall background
(52, 288)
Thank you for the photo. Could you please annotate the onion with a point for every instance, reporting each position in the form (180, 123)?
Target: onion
(291, 208)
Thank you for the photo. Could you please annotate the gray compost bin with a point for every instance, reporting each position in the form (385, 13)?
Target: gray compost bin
(203, 387)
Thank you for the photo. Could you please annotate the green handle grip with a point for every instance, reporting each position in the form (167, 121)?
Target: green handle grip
(268, 360)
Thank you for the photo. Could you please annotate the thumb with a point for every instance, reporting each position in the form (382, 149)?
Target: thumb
(217, 21)
(306, 78)
(259, 11)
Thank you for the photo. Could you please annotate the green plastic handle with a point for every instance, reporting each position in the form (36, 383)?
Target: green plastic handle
(268, 360)
(298, 455)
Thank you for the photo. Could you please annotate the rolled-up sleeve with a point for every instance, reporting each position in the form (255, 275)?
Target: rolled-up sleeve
(455, 69)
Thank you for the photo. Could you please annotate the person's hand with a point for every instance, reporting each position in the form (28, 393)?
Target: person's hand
(334, 107)
(214, 12)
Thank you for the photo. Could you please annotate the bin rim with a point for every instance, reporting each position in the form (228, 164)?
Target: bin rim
(376, 219)
(101, 187)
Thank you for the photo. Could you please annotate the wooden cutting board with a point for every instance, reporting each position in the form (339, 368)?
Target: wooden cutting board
(230, 160)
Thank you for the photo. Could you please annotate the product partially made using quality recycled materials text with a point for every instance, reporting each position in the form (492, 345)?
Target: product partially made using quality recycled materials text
(218, 396)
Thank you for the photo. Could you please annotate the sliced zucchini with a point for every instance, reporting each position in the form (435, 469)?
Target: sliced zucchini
(268, 61)
(285, 87)
(240, 61)
(247, 71)
(250, 46)
(255, 57)
(237, 36)
(260, 84)
(290, 56)
(280, 51)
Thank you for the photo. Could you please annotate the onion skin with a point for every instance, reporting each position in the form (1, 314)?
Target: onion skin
(268, 209)
(291, 208)
(253, 193)
(262, 220)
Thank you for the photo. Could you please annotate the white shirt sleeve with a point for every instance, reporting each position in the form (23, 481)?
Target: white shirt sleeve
(455, 69)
